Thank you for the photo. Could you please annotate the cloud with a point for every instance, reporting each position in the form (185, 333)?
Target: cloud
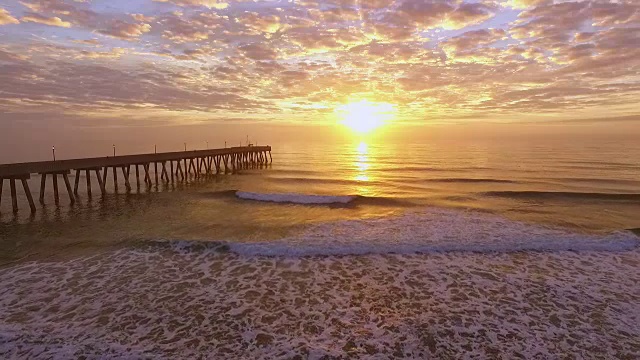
(212, 4)
(115, 53)
(6, 18)
(51, 21)
(260, 23)
(124, 30)
(142, 18)
(468, 14)
(258, 52)
(523, 4)
(313, 39)
(473, 39)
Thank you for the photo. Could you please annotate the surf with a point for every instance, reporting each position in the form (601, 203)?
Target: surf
(427, 231)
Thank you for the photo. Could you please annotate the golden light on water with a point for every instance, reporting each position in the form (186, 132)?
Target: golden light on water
(362, 162)
(364, 116)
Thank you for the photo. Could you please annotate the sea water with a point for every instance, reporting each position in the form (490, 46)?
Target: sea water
(482, 249)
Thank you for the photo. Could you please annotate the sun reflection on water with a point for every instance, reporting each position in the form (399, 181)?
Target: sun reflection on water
(362, 165)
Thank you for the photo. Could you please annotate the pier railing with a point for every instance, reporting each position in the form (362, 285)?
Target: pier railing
(168, 167)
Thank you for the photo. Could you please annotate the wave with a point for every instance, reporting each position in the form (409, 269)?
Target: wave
(596, 180)
(400, 169)
(294, 198)
(469, 180)
(308, 180)
(565, 195)
(309, 199)
(427, 231)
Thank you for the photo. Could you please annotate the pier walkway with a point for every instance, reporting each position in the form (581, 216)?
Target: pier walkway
(168, 167)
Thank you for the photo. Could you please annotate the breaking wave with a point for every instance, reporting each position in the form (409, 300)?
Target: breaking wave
(310, 199)
(426, 231)
(295, 198)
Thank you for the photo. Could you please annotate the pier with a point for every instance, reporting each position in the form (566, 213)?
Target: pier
(167, 168)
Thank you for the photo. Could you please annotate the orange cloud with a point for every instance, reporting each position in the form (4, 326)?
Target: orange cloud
(206, 3)
(51, 21)
(6, 18)
(260, 23)
(124, 30)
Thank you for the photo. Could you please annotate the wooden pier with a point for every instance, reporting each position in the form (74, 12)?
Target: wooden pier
(168, 168)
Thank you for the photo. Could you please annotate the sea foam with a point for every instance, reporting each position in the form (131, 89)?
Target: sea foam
(431, 230)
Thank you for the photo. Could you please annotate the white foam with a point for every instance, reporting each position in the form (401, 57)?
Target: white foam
(146, 303)
(294, 198)
(434, 230)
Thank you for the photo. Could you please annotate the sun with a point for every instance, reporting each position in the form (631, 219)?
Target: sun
(365, 116)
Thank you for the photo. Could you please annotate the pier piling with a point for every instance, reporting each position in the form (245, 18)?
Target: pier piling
(56, 196)
(27, 191)
(67, 184)
(88, 176)
(14, 196)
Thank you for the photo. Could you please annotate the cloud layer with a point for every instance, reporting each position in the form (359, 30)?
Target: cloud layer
(434, 59)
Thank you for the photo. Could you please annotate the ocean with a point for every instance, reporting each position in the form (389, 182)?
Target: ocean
(470, 249)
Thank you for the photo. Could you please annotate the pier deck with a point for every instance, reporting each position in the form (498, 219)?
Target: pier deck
(168, 167)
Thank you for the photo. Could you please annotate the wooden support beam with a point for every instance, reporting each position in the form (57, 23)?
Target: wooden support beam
(14, 197)
(147, 176)
(56, 196)
(103, 190)
(172, 174)
(165, 176)
(1, 184)
(87, 174)
(125, 174)
(27, 191)
(137, 176)
(104, 175)
(76, 182)
(43, 179)
(191, 165)
(115, 179)
(155, 171)
(194, 163)
(65, 176)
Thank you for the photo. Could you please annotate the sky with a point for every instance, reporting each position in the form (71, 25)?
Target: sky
(135, 63)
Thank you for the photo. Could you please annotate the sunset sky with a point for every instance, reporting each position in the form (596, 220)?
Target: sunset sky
(181, 61)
